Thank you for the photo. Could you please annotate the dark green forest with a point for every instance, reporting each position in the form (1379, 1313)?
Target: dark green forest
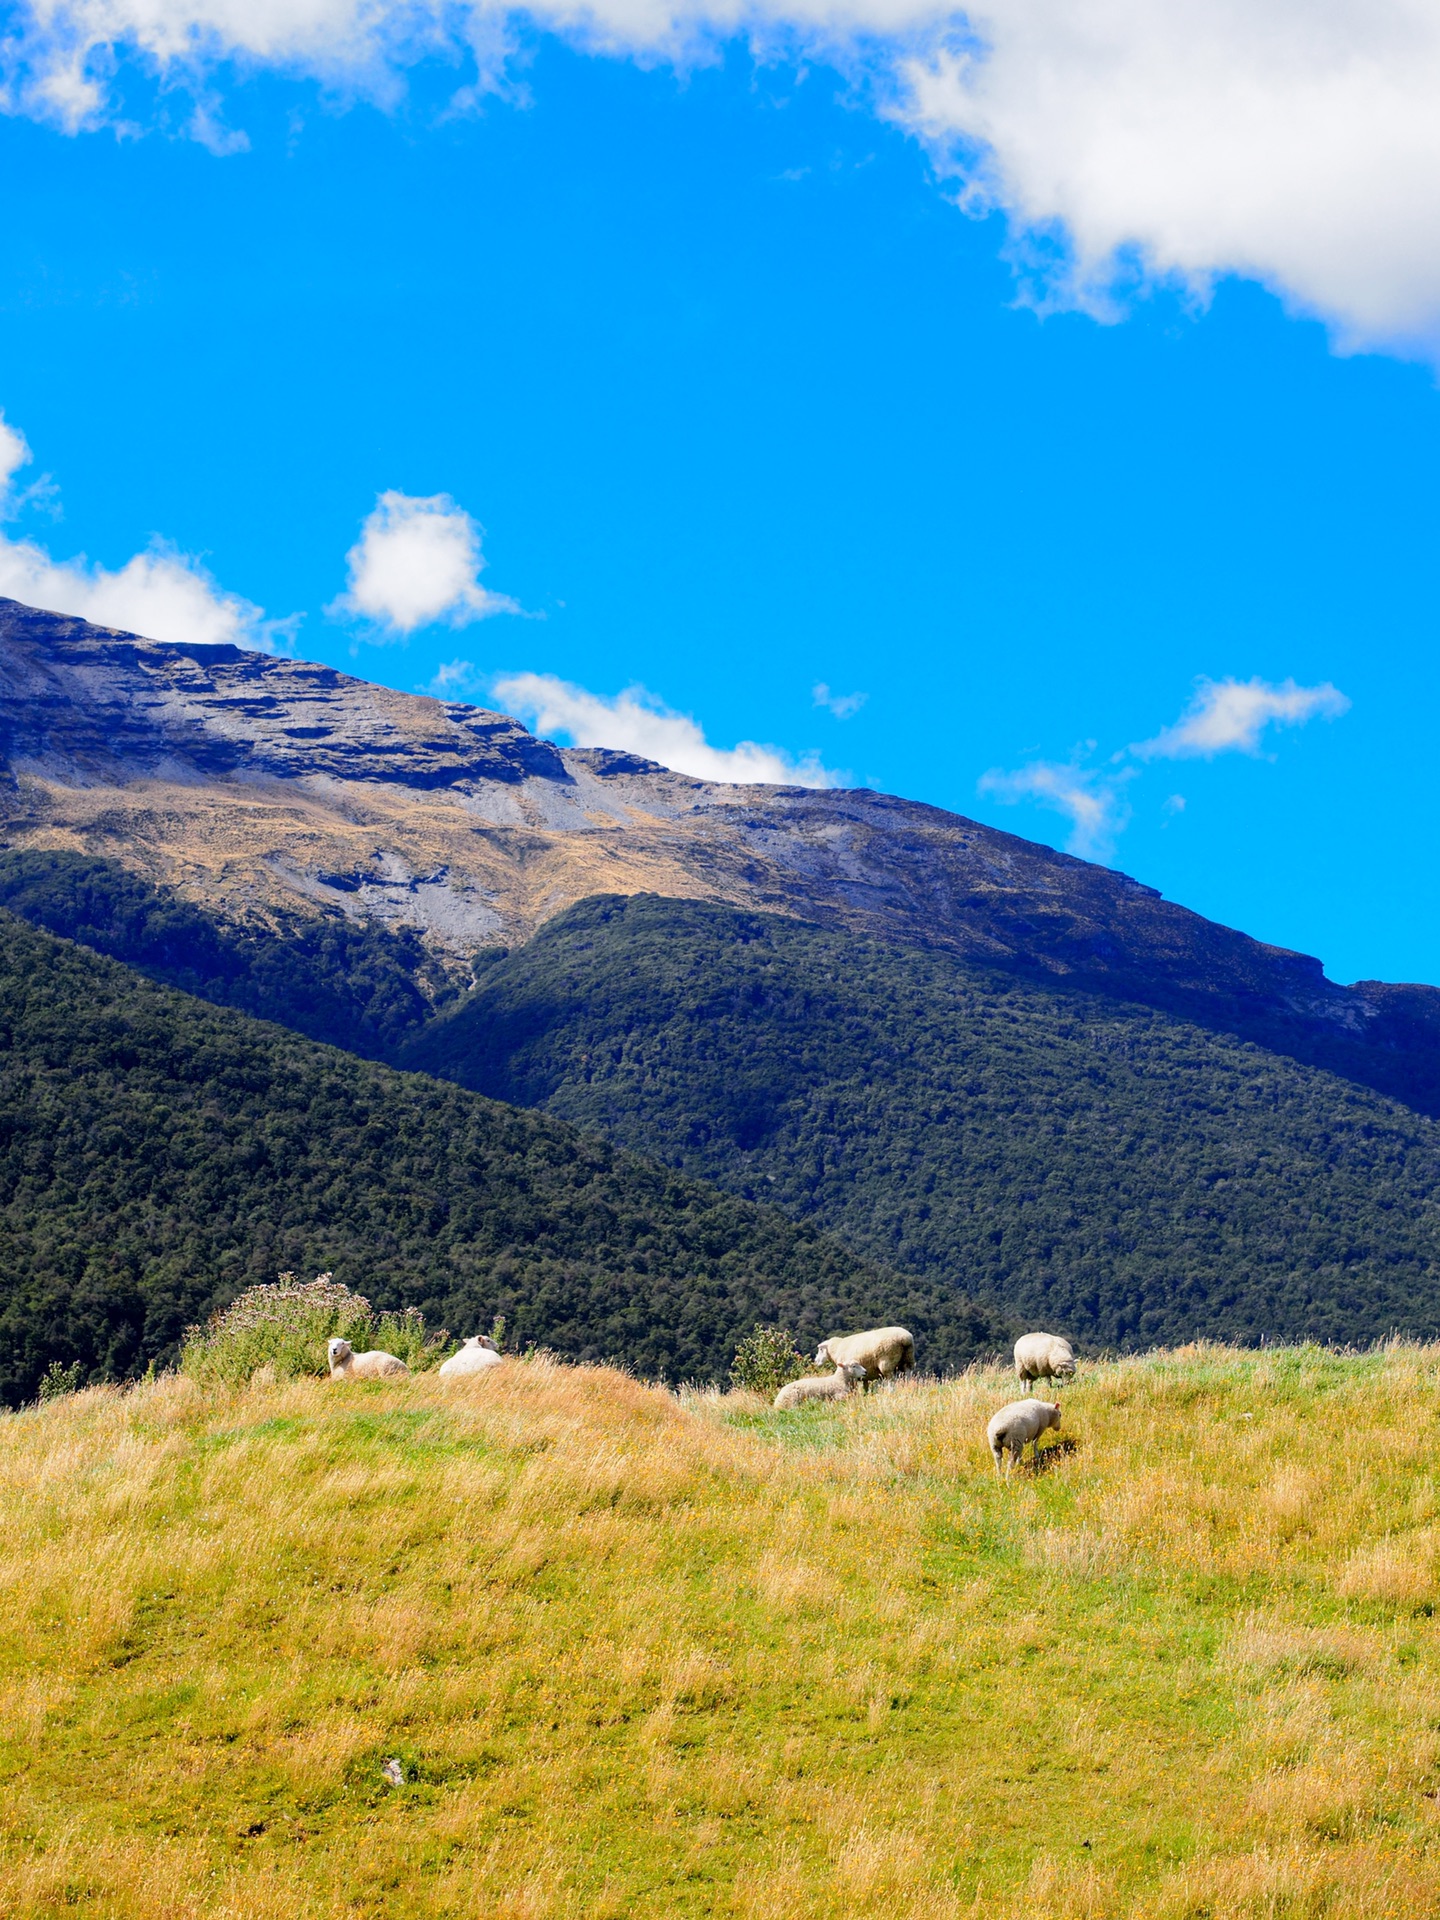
(1107, 1168)
(158, 1154)
(359, 986)
(1104, 1169)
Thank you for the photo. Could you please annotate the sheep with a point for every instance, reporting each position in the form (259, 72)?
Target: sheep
(824, 1386)
(1022, 1420)
(478, 1355)
(1044, 1355)
(881, 1352)
(346, 1364)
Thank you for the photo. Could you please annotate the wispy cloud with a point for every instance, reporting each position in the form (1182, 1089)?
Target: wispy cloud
(1230, 716)
(1224, 716)
(637, 722)
(1094, 803)
(14, 454)
(454, 679)
(418, 560)
(842, 705)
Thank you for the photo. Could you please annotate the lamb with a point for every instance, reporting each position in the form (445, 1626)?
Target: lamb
(346, 1364)
(1044, 1355)
(1021, 1421)
(881, 1352)
(478, 1355)
(824, 1386)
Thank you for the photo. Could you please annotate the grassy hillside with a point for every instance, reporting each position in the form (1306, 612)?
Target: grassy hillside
(1105, 1168)
(158, 1154)
(647, 1656)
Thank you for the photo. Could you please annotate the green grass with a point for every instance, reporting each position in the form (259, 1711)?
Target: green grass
(647, 1654)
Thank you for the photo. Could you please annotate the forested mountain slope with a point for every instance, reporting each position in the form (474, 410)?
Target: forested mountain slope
(1100, 1167)
(157, 1154)
(355, 983)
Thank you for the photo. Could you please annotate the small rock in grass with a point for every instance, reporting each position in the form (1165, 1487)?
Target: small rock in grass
(394, 1773)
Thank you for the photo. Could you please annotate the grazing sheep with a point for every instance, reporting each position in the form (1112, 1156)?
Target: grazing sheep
(1022, 1420)
(1043, 1356)
(478, 1355)
(881, 1352)
(346, 1364)
(824, 1386)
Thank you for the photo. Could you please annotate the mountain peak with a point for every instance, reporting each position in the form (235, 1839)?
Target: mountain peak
(255, 784)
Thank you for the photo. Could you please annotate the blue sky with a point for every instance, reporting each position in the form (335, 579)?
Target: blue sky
(747, 406)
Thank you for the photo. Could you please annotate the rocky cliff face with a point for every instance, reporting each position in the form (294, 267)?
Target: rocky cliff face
(252, 783)
(85, 703)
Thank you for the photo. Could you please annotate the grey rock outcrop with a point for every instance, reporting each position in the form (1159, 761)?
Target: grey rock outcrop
(87, 702)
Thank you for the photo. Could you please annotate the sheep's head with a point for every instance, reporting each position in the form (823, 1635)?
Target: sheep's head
(483, 1341)
(340, 1351)
(855, 1375)
(1054, 1413)
(822, 1353)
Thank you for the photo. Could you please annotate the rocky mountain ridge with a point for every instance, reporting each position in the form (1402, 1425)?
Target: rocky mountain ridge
(256, 785)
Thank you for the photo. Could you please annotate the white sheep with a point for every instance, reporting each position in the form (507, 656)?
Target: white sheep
(346, 1364)
(1021, 1421)
(478, 1355)
(881, 1352)
(1043, 1356)
(824, 1386)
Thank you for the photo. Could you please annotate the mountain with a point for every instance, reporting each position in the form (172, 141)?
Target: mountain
(1014, 1073)
(1115, 1172)
(158, 1154)
(261, 789)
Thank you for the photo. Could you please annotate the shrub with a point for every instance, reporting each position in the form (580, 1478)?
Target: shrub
(765, 1359)
(286, 1327)
(58, 1381)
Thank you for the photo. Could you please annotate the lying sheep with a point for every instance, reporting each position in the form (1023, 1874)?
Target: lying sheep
(346, 1364)
(478, 1355)
(824, 1386)
(1043, 1356)
(1014, 1425)
(881, 1352)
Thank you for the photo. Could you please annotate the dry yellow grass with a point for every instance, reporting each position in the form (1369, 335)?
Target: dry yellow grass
(640, 1655)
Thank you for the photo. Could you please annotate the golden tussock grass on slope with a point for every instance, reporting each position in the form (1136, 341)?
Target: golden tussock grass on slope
(646, 1655)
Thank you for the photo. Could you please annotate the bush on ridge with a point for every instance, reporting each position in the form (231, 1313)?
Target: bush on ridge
(286, 1327)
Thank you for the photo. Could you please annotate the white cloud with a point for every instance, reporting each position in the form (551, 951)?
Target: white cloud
(1093, 803)
(418, 560)
(636, 722)
(842, 705)
(1292, 141)
(14, 454)
(159, 594)
(1230, 716)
